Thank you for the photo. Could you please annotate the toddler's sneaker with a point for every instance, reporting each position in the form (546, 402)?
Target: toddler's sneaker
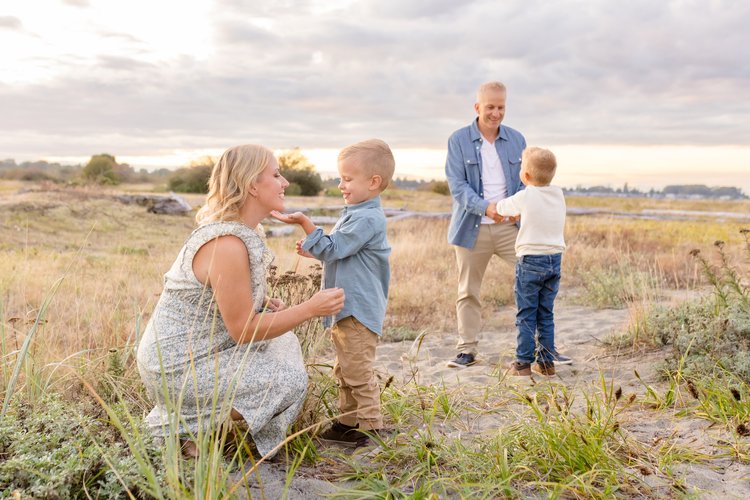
(561, 359)
(519, 369)
(546, 369)
(462, 361)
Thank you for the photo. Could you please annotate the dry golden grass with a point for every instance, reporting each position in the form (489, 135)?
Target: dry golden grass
(117, 254)
(638, 204)
(113, 258)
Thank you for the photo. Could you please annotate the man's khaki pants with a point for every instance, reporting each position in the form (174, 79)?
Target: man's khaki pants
(359, 393)
(493, 239)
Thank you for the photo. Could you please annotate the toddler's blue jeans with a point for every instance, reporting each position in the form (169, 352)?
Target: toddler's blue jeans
(537, 283)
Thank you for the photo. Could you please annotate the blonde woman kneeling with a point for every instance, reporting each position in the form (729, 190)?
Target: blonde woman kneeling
(216, 346)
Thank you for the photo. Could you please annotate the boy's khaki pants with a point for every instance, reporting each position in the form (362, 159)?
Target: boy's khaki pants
(359, 393)
(493, 239)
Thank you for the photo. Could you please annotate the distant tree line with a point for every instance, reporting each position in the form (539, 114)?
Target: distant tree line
(104, 169)
(671, 191)
(101, 169)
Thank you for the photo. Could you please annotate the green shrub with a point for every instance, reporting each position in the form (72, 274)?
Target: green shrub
(190, 179)
(711, 336)
(293, 189)
(56, 449)
(297, 169)
(615, 287)
(101, 169)
(440, 187)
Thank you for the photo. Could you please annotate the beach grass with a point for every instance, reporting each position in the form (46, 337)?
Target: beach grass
(80, 275)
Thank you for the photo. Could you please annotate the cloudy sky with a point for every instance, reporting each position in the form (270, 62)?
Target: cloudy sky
(647, 92)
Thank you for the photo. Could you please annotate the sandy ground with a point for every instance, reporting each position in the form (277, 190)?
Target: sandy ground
(581, 332)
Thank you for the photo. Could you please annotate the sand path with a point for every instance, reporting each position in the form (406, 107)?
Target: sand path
(581, 334)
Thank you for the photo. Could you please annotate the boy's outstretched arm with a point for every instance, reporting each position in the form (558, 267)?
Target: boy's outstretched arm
(347, 240)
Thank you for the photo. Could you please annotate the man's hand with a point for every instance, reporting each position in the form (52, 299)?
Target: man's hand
(491, 212)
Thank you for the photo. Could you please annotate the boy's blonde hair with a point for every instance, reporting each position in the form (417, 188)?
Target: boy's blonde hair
(540, 163)
(374, 156)
(231, 179)
(490, 86)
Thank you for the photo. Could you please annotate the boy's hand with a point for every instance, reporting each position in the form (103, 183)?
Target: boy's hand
(300, 251)
(509, 218)
(295, 218)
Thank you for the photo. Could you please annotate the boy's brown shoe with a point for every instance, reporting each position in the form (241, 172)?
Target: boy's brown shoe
(546, 369)
(519, 369)
(344, 435)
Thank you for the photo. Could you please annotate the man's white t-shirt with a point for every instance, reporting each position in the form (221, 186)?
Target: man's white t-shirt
(542, 210)
(493, 178)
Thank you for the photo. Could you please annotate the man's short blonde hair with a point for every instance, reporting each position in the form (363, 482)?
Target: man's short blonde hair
(374, 156)
(541, 165)
(490, 86)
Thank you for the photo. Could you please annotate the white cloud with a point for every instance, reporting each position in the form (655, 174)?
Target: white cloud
(10, 23)
(322, 74)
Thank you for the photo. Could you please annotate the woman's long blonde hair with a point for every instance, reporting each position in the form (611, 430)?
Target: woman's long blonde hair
(231, 178)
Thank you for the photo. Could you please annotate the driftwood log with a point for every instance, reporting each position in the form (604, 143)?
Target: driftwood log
(170, 204)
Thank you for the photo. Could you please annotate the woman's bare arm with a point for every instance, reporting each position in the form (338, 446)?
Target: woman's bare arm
(222, 264)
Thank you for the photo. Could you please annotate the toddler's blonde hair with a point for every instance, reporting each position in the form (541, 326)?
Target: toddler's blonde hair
(374, 156)
(540, 163)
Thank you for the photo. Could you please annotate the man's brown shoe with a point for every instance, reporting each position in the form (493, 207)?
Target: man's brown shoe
(519, 369)
(546, 369)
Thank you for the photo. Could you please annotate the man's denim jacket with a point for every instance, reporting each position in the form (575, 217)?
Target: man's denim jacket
(463, 169)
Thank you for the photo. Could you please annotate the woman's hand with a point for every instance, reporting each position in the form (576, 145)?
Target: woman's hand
(327, 302)
(300, 251)
(295, 218)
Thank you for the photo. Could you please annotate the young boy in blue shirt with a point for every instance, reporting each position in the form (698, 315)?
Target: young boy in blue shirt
(355, 256)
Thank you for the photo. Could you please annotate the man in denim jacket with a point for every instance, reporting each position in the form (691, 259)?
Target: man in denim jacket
(482, 168)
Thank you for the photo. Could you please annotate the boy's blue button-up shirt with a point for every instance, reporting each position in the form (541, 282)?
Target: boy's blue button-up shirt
(463, 170)
(355, 255)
